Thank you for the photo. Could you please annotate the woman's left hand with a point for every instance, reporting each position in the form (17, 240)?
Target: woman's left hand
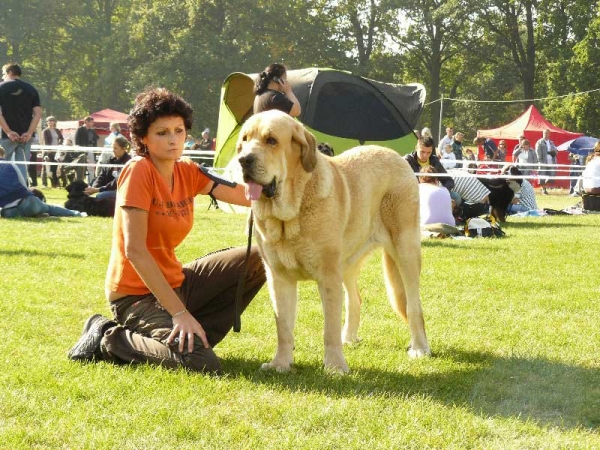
(185, 327)
(90, 190)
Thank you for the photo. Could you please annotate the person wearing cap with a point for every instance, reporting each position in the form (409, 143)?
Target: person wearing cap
(51, 136)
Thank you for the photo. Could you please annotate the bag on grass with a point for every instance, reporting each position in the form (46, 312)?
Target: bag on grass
(478, 227)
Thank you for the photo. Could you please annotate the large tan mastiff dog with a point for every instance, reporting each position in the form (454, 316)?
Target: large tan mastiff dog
(318, 217)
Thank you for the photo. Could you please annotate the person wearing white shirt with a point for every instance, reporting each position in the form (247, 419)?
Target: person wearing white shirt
(445, 141)
(591, 175)
(448, 158)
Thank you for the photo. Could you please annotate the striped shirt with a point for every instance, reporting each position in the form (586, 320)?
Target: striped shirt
(526, 195)
(470, 188)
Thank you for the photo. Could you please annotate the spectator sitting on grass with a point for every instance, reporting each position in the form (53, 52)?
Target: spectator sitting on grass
(16, 200)
(106, 182)
(524, 200)
(435, 201)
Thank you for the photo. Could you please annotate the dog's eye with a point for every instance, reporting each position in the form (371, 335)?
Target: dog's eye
(271, 141)
(244, 138)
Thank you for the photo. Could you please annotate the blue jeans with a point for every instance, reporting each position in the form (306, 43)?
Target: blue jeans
(106, 194)
(516, 208)
(32, 206)
(21, 150)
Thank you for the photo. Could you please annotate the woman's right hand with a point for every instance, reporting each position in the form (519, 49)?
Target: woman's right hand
(185, 326)
(286, 88)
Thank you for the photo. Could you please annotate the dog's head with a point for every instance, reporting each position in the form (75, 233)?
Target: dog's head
(514, 183)
(76, 188)
(272, 145)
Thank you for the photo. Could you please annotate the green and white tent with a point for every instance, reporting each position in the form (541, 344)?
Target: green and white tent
(338, 107)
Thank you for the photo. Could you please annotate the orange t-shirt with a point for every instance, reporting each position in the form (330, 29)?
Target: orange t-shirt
(170, 219)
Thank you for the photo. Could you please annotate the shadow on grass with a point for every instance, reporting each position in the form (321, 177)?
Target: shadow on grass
(547, 392)
(555, 223)
(45, 254)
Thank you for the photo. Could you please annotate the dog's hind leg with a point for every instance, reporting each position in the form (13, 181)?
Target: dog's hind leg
(353, 304)
(402, 272)
(284, 295)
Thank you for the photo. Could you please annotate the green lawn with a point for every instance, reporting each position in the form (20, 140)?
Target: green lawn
(512, 323)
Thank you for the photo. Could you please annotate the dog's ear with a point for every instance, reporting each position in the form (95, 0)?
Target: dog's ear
(308, 147)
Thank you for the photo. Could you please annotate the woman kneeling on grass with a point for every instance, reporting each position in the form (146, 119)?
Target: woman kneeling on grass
(165, 313)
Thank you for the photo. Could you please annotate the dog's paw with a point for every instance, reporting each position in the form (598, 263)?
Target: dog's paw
(414, 353)
(350, 338)
(336, 364)
(337, 370)
(281, 368)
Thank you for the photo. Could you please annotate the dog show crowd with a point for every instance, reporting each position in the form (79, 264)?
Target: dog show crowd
(173, 314)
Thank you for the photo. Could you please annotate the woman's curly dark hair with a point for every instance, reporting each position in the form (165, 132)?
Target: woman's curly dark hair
(151, 104)
(267, 75)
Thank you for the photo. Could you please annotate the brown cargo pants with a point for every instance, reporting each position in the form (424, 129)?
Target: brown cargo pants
(208, 292)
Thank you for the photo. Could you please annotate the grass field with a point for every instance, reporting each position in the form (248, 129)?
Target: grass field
(513, 325)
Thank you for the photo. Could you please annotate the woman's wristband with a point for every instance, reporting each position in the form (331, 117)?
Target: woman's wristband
(183, 311)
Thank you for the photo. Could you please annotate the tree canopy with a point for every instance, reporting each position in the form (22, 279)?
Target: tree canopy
(87, 55)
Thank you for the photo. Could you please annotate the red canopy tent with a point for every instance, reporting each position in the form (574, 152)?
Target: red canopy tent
(531, 124)
(102, 120)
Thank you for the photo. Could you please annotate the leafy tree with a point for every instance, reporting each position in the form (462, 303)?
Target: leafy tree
(578, 112)
(432, 37)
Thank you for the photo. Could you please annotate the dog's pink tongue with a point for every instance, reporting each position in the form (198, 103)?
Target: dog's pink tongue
(253, 190)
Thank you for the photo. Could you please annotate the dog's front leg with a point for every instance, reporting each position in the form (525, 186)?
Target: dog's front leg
(353, 303)
(284, 297)
(332, 297)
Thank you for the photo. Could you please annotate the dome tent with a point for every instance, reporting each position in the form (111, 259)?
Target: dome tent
(338, 107)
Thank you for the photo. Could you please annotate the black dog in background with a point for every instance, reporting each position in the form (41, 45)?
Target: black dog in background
(39, 194)
(502, 192)
(80, 201)
(326, 149)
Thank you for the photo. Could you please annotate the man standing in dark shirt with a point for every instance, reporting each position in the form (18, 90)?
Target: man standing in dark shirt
(489, 147)
(20, 113)
(85, 136)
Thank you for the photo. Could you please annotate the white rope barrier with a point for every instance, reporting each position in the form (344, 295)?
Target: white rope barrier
(469, 100)
(491, 172)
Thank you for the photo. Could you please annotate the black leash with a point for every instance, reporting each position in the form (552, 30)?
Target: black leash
(237, 315)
